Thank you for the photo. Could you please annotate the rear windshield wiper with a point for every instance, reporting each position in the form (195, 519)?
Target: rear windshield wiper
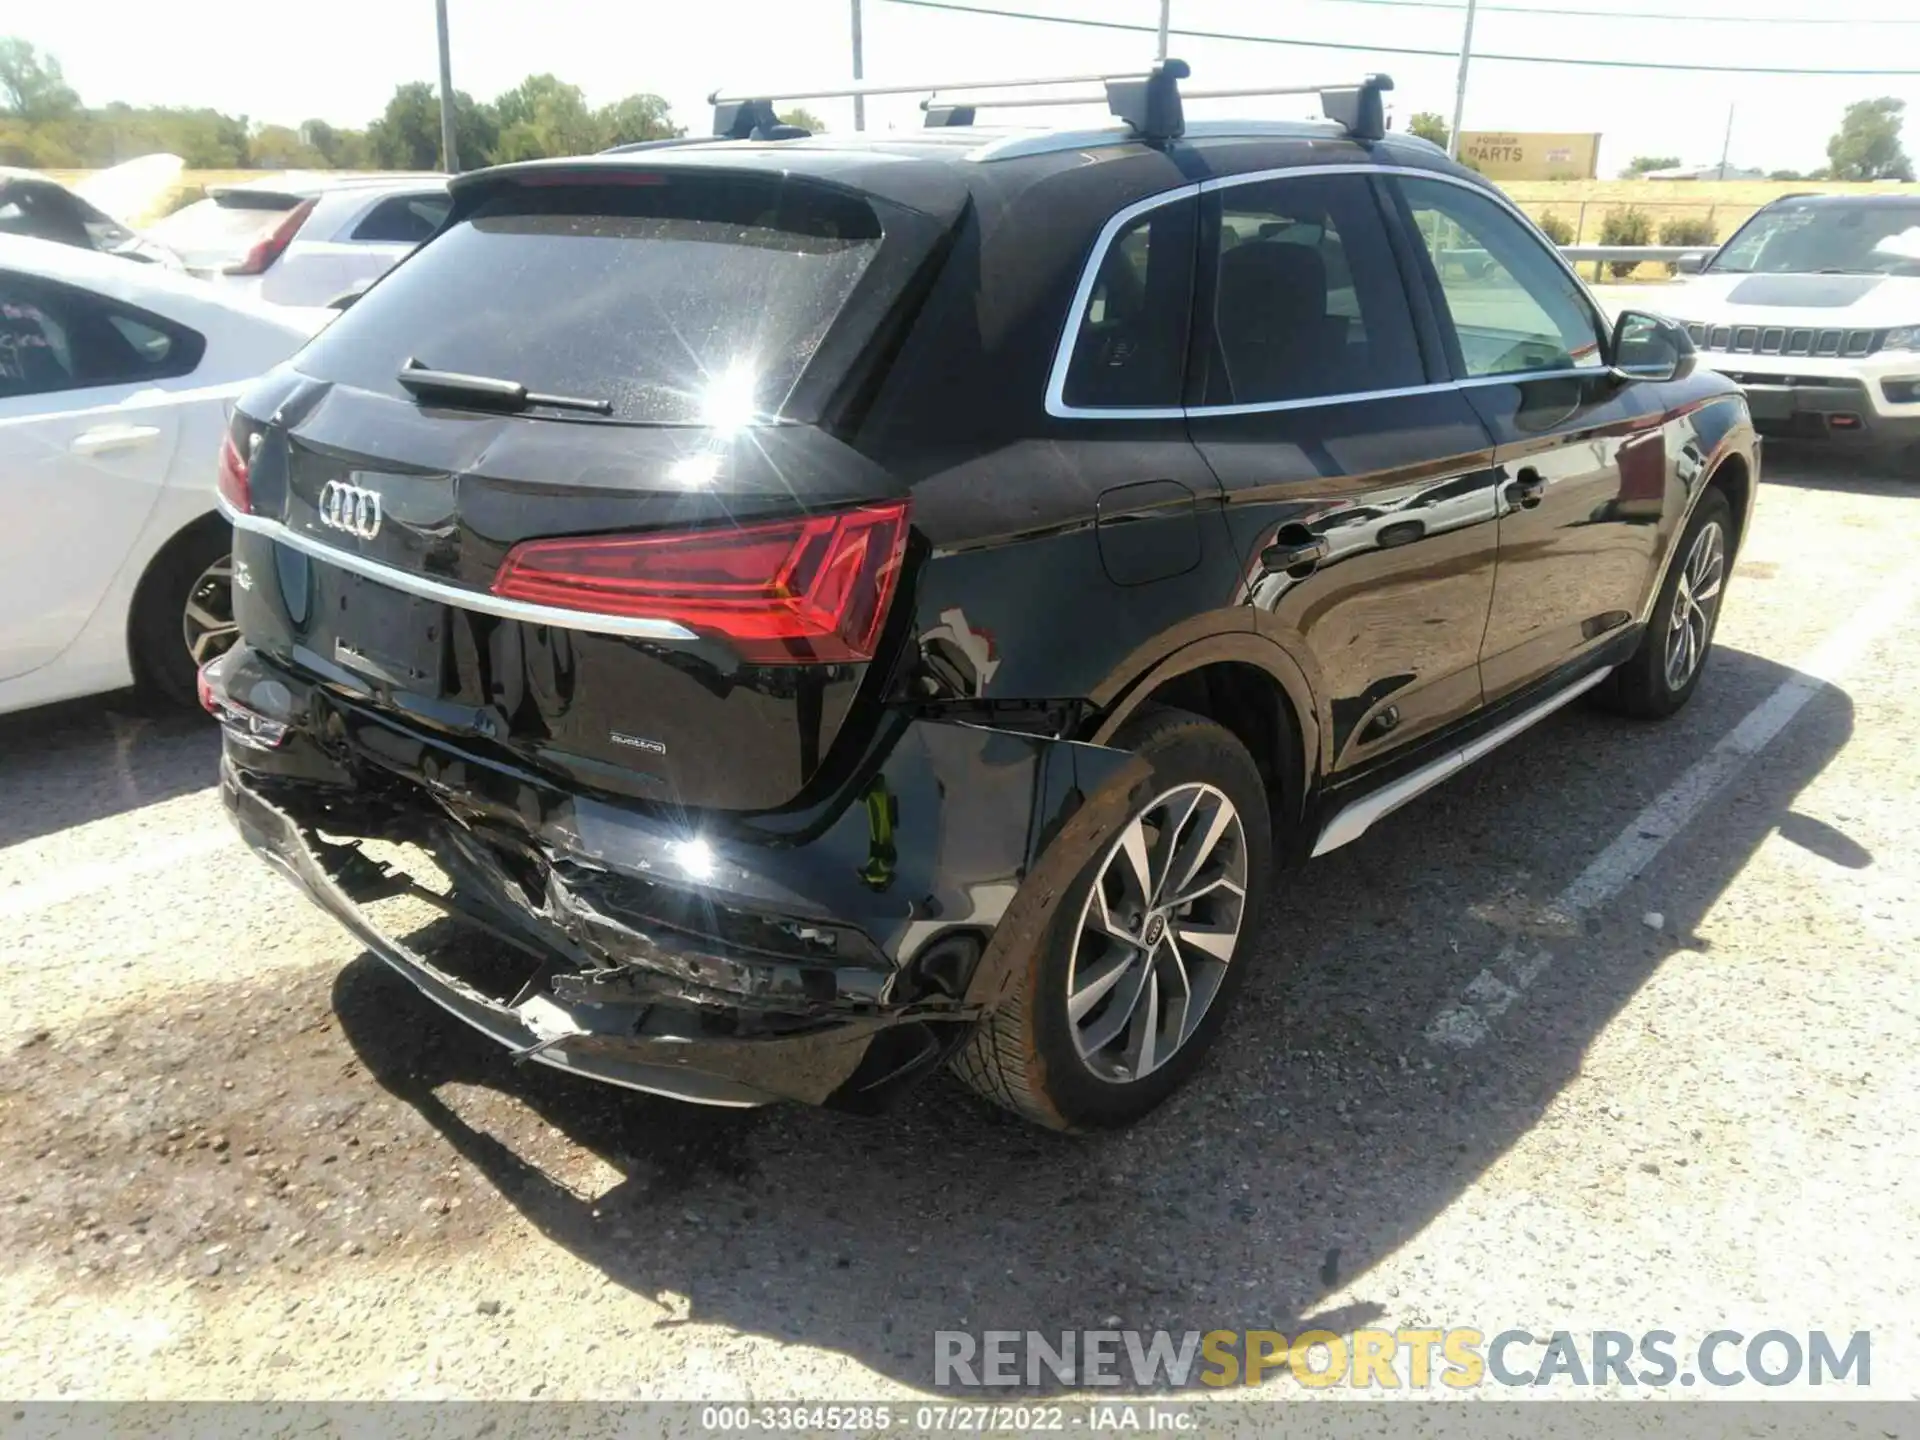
(486, 392)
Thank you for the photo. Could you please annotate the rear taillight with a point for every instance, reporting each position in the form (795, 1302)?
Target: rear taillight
(267, 248)
(810, 590)
(232, 480)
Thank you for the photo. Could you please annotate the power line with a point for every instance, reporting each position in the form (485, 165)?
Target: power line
(1638, 14)
(1399, 49)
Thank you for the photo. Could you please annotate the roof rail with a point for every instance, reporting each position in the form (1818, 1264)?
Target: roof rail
(1149, 100)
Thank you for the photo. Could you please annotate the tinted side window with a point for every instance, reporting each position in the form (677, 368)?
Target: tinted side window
(1130, 345)
(403, 219)
(42, 212)
(1307, 298)
(54, 337)
(1513, 304)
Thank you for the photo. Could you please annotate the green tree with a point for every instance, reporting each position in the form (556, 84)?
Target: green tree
(32, 86)
(805, 119)
(1430, 125)
(1641, 164)
(204, 139)
(542, 116)
(636, 118)
(1556, 228)
(1631, 226)
(279, 147)
(1785, 175)
(1867, 146)
(407, 134)
(338, 149)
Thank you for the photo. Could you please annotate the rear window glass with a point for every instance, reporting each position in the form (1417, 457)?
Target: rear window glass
(404, 219)
(208, 234)
(682, 300)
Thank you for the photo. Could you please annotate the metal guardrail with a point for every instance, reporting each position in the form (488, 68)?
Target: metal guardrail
(1475, 261)
(1578, 253)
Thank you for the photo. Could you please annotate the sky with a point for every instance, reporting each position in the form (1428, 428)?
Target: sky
(284, 63)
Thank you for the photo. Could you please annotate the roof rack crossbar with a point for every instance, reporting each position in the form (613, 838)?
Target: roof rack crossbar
(1149, 100)
(722, 97)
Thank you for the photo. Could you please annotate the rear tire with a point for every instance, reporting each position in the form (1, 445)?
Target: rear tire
(1102, 1024)
(1663, 673)
(183, 613)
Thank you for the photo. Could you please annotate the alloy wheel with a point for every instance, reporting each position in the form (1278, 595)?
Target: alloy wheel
(1157, 932)
(207, 621)
(1695, 599)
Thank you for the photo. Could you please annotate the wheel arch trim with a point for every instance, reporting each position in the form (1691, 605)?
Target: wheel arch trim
(1238, 647)
(1728, 450)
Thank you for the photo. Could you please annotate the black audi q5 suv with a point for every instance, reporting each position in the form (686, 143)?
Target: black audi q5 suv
(767, 617)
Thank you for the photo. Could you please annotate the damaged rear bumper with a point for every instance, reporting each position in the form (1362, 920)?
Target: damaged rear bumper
(535, 1027)
(828, 958)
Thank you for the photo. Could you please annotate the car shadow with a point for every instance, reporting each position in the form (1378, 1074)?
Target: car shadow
(1851, 470)
(64, 765)
(1325, 1133)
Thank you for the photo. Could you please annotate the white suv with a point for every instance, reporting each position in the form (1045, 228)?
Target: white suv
(306, 239)
(1814, 308)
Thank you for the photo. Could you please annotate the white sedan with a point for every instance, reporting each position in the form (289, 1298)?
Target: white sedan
(115, 385)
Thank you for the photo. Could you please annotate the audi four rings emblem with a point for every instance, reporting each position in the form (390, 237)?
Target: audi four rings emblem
(350, 508)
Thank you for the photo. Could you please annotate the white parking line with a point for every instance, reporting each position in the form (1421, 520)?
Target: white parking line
(82, 880)
(1468, 1020)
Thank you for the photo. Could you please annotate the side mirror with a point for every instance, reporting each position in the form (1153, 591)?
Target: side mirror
(1693, 262)
(1650, 347)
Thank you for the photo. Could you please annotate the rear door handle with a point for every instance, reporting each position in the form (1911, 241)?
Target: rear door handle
(102, 438)
(1299, 553)
(1527, 488)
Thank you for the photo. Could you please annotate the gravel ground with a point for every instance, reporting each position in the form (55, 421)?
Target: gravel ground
(241, 1159)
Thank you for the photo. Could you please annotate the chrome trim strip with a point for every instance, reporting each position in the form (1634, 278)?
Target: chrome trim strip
(636, 626)
(1353, 821)
(1262, 407)
(1063, 351)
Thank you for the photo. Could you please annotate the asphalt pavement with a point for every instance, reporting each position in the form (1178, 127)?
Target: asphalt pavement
(1617, 1030)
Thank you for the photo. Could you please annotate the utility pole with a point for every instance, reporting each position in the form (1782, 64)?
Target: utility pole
(1726, 145)
(1166, 17)
(859, 72)
(1460, 88)
(449, 152)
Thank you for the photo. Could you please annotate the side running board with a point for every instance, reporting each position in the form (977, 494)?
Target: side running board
(1350, 822)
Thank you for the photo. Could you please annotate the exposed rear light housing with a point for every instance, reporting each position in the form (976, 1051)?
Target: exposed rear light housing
(232, 479)
(244, 725)
(267, 248)
(810, 590)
